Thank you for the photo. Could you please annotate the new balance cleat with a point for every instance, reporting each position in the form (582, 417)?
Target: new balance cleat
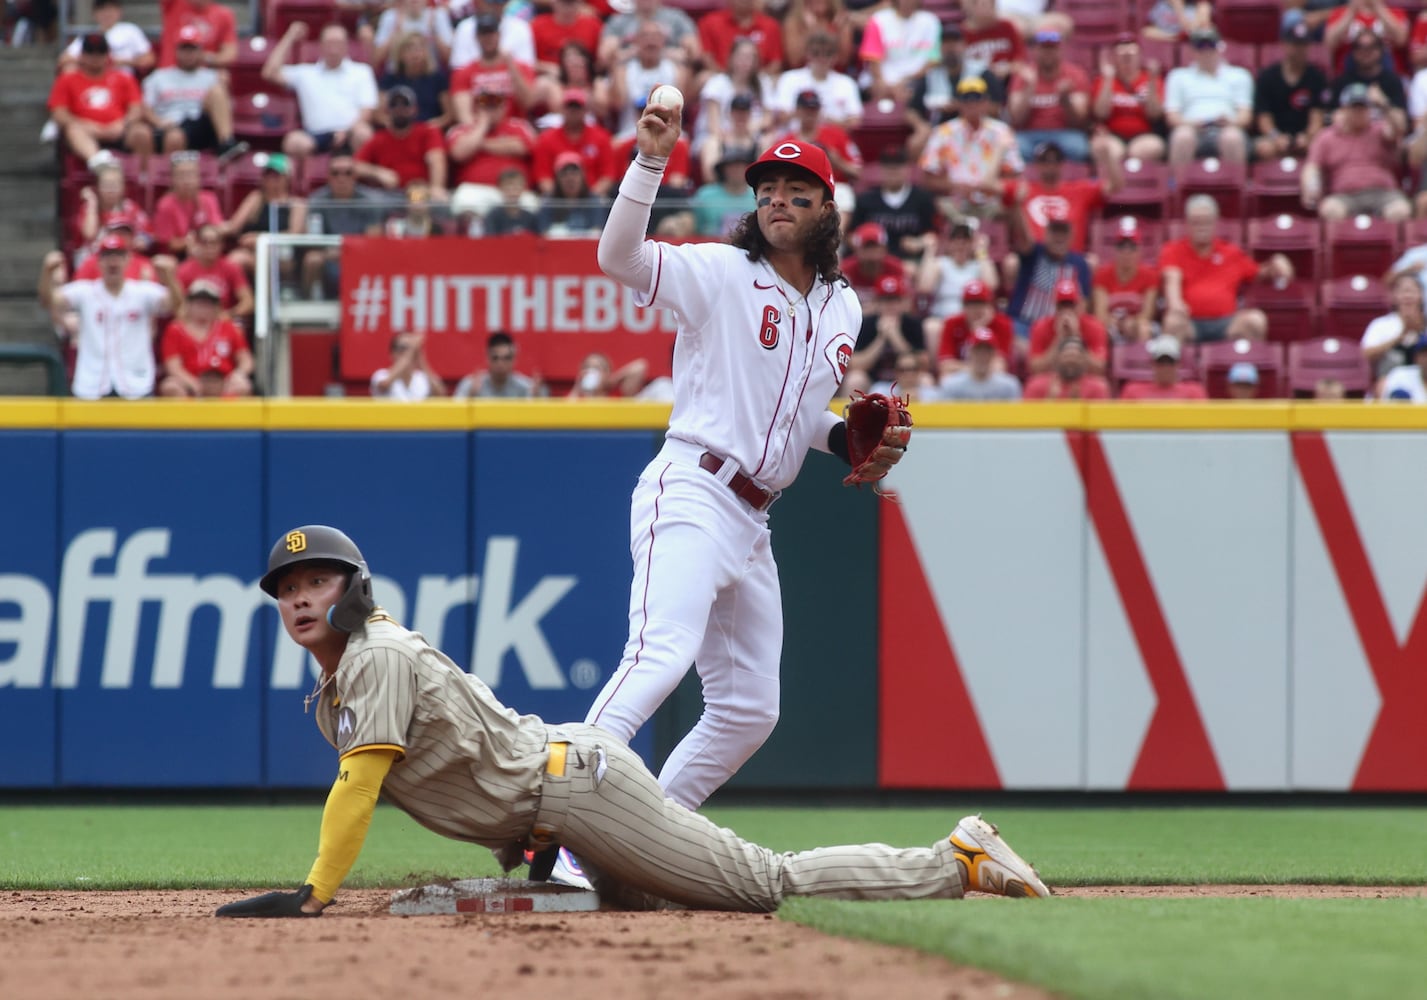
(991, 865)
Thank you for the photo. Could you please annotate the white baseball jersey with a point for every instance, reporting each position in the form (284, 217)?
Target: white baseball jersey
(114, 350)
(755, 366)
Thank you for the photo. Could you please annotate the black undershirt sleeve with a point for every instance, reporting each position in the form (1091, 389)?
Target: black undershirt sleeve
(837, 442)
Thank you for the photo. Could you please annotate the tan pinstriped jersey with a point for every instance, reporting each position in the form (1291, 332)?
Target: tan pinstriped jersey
(470, 768)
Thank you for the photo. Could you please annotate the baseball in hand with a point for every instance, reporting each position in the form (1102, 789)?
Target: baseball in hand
(667, 96)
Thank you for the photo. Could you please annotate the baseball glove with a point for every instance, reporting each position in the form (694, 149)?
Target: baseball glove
(270, 904)
(878, 429)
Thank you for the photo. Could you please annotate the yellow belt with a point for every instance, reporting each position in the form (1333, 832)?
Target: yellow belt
(556, 764)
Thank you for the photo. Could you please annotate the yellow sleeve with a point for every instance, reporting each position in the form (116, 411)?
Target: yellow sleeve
(346, 817)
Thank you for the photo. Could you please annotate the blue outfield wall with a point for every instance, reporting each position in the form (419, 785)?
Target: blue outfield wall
(137, 651)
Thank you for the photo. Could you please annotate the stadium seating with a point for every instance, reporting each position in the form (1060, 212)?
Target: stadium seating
(1274, 188)
(1252, 21)
(1292, 310)
(1361, 245)
(881, 128)
(1105, 232)
(1216, 359)
(243, 175)
(1145, 193)
(246, 73)
(1350, 304)
(1213, 176)
(1226, 228)
(1327, 357)
(1297, 238)
(161, 175)
(262, 119)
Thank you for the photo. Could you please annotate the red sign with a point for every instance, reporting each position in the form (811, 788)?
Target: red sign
(550, 295)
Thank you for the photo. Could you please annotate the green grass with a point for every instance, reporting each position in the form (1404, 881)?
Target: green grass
(1102, 947)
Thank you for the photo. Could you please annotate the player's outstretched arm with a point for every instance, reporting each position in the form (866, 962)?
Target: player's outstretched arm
(623, 253)
(345, 820)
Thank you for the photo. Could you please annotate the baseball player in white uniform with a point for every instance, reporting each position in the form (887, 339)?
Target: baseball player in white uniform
(409, 724)
(766, 327)
(114, 346)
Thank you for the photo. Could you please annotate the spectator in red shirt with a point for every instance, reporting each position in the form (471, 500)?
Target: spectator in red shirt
(1069, 378)
(804, 18)
(888, 331)
(492, 72)
(104, 204)
(1165, 384)
(870, 262)
(1129, 102)
(1126, 289)
(1050, 101)
(842, 152)
(98, 108)
(993, 44)
(1046, 195)
(409, 150)
(1203, 275)
(1364, 17)
(1359, 156)
(206, 262)
(139, 267)
(1068, 320)
(492, 143)
(185, 207)
(217, 27)
(568, 21)
(978, 312)
(575, 135)
(204, 355)
(720, 28)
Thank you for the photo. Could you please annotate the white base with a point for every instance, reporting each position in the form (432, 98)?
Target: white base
(492, 895)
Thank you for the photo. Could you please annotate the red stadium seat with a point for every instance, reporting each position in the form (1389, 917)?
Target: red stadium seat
(312, 173)
(1297, 238)
(1162, 52)
(246, 73)
(1131, 362)
(242, 176)
(1414, 233)
(1361, 245)
(316, 14)
(1274, 187)
(1292, 310)
(1327, 357)
(1216, 359)
(1350, 304)
(1145, 193)
(1242, 54)
(881, 129)
(1253, 21)
(263, 119)
(1223, 181)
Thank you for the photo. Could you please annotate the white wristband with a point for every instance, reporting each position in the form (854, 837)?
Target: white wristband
(642, 179)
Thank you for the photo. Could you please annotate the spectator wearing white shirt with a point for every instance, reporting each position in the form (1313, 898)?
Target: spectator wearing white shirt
(114, 340)
(188, 105)
(1208, 105)
(842, 104)
(412, 17)
(516, 38)
(409, 378)
(335, 95)
(129, 47)
(900, 44)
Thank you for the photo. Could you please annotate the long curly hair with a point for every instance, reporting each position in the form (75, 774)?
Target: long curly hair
(820, 252)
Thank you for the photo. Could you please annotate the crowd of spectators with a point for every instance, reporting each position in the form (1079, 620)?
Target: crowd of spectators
(985, 239)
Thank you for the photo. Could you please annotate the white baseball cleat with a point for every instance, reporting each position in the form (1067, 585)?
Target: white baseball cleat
(991, 865)
(567, 871)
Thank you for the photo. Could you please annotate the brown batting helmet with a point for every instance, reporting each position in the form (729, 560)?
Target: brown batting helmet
(320, 543)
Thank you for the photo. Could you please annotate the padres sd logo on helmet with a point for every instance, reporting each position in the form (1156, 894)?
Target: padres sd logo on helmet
(296, 541)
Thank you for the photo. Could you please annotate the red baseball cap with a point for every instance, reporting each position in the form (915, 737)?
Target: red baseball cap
(803, 155)
(976, 291)
(575, 95)
(569, 158)
(982, 335)
(891, 286)
(189, 34)
(113, 243)
(869, 232)
(1066, 290)
(122, 220)
(1128, 229)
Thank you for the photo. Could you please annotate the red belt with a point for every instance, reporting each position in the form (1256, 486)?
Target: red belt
(744, 488)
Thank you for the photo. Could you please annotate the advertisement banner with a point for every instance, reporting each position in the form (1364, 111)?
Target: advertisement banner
(548, 294)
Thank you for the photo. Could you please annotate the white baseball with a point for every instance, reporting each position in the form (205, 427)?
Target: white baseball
(667, 96)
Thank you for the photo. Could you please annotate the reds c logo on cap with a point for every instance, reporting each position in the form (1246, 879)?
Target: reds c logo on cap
(804, 155)
(788, 150)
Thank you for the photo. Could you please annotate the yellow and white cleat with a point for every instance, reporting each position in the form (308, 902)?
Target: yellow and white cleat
(991, 865)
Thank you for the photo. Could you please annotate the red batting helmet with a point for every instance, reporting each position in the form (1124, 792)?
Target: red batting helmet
(803, 155)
